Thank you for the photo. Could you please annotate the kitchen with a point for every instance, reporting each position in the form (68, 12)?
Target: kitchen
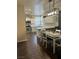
(42, 28)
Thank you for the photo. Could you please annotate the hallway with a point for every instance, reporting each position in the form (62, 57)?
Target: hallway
(30, 49)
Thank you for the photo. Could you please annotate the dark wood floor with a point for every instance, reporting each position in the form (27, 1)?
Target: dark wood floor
(31, 50)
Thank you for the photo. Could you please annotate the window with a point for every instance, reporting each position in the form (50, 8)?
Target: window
(38, 21)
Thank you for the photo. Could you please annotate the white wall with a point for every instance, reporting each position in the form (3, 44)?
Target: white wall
(21, 36)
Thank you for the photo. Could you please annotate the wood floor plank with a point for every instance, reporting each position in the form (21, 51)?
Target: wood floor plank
(30, 49)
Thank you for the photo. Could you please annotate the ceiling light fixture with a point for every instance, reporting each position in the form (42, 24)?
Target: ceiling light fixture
(52, 13)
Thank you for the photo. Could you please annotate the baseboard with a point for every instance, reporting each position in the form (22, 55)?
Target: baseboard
(22, 40)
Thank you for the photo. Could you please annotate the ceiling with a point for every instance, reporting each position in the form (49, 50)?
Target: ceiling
(29, 4)
(33, 7)
(38, 7)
